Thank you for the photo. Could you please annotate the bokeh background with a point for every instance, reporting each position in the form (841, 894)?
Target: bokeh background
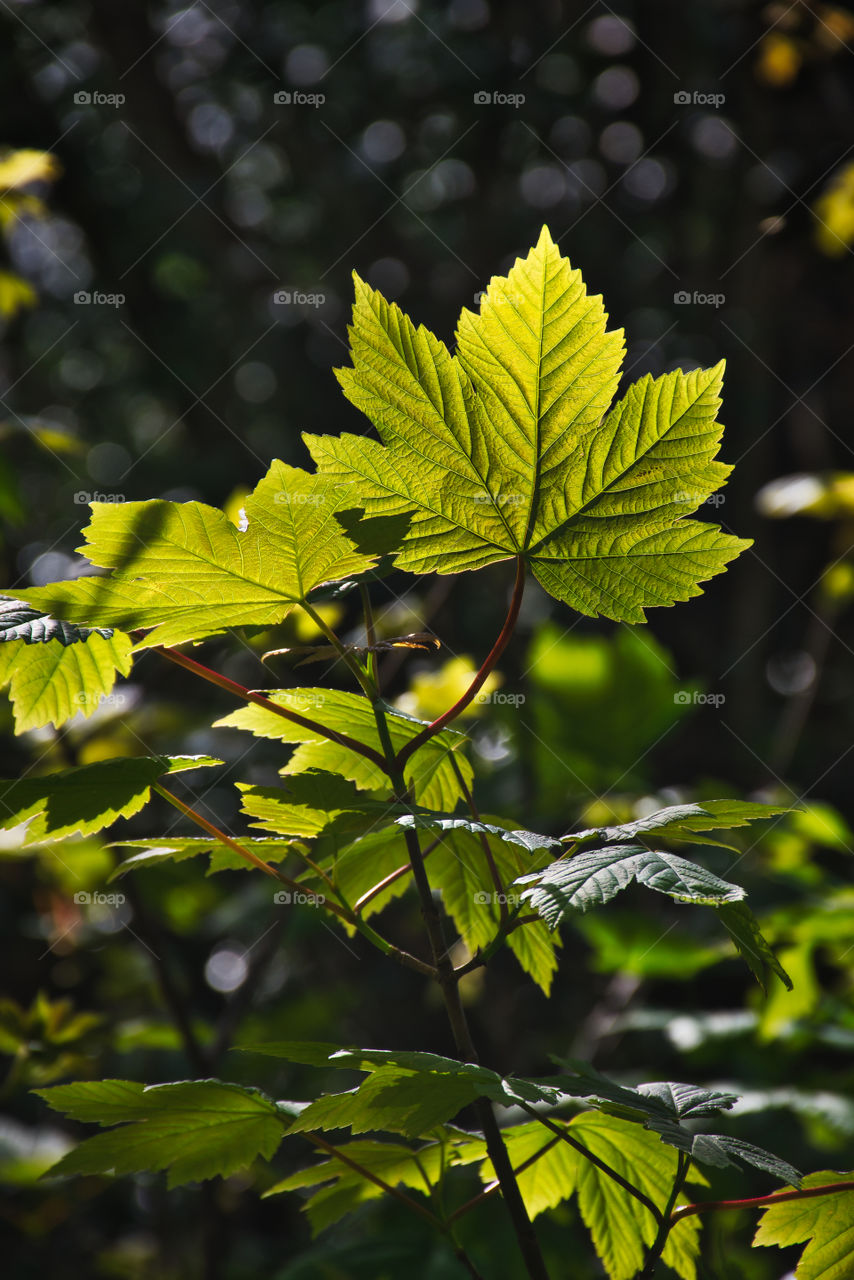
(220, 169)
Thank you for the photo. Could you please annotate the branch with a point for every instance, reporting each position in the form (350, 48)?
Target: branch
(600, 1164)
(479, 680)
(248, 695)
(759, 1202)
(349, 917)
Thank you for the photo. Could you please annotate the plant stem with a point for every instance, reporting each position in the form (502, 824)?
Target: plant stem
(346, 655)
(495, 1186)
(447, 980)
(370, 635)
(594, 1159)
(248, 695)
(369, 1176)
(666, 1224)
(489, 662)
(376, 939)
(758, 1202)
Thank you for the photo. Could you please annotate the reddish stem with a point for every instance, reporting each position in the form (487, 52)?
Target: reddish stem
(759, 1202)
(480, 679)
(240, 691)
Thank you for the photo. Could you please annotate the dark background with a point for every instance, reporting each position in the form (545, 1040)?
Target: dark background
(195, 201)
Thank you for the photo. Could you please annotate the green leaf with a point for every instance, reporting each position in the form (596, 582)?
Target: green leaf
(684, 822)
(157, 849)
(508, 449)
(55, 670)
(825, 1224)
(346, 1189)
(721, 1150)
(429, 771)
(88, 798)
(311, 803)
(529, 840)
(744, 929)
(622, 1229)
(589, 879)
(406, 1092)
(185, 570)
(458, 867)
(196, 1129)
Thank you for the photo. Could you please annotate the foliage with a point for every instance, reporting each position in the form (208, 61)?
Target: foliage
(509, 450)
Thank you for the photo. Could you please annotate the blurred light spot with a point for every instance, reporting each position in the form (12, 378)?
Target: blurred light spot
(391, 10)
(789, 495)
(389, 275)
(570, 135)
(438, 127)
(383, 141)
(248, 206)
(255, 382)
(616, 88)
(210, 126)
(621, 142)
(543, 186)
(189, 26)
(790, 673)
(586, 179)
(306, 64)
(494, 746)
(611, 35)
(713, 136)
(448, 180)
(81, 370)
(226, 969)
(108, 462)
(468, 15)
(647, 180)
(559, 73)
(52, 566)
